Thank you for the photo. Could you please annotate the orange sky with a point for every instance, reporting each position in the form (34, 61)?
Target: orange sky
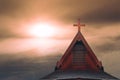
(102, 29)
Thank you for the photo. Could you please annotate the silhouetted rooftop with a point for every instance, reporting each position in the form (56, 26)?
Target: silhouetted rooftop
(79, 74)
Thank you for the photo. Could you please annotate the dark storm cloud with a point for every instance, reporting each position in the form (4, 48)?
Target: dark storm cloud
(109, 13)
(20, 66)
(91, 11)
(117, 38)
(8, 7)
(108, 47)
(94, 11)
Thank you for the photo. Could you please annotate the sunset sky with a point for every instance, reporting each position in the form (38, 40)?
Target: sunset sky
(35, 33)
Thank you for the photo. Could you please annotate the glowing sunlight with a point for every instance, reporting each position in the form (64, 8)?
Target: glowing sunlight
(42, 30)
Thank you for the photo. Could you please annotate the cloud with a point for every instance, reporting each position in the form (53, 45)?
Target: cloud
(14, 13)
(108, 47)
(67, 10)
(8, 6)
(106, 14)
(89, 11)
(21, 66)
(117, 38)
(102, 32)
(111, 63)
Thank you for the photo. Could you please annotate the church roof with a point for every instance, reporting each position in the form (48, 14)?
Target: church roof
(79, 55)
(79, 62)
(79, 38)
(76, 74)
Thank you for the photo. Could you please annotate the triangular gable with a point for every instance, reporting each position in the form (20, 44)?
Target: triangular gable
(79, 56)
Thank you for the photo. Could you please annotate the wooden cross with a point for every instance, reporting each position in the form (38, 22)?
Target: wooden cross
(79, 25)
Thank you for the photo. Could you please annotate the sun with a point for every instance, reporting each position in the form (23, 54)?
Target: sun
(42, 30)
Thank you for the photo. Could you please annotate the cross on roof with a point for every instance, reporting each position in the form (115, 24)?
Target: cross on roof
(79, 25)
